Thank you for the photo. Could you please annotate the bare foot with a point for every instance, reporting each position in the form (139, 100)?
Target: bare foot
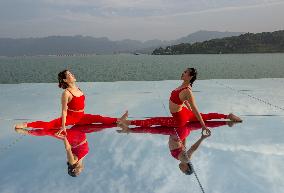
(234, 118)
(124, 128)
(124, 116)
(20, 125)
(123, 121)
(22, 131)
(231, 123)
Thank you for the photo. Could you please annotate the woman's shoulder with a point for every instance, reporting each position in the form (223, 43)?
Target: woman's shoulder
(187, 89)
(66, 93)
(187, 93)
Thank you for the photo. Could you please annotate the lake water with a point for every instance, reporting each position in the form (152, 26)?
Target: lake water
(126, 67)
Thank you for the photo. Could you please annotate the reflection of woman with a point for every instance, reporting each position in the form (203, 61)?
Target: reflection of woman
(177, 139)
(76, 144)
(183, 108)
(73, 105)
(178, 151)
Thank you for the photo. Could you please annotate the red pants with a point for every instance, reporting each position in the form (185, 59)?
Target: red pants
(73, 118)
(178, 119)
(90, 128)
(183, 132)
(74, 136)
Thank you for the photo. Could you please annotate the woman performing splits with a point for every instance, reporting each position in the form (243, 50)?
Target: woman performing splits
(76, 144)
(73, 104)
(183, 108)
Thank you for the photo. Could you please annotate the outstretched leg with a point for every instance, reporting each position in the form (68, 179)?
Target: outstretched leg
(89, 119)
(234, 118)
(162, 121)
(71, 119)
(210, 116)
(56, 123)
(179, 119)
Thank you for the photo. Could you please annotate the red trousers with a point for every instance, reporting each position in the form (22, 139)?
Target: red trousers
(72, 118)
(183, 132)
(178, 119)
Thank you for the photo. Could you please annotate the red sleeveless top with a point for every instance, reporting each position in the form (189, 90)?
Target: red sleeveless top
(175, 96)
(76, 103)
(175, 152)
(75, 137)
(182, 132)
(81, 150)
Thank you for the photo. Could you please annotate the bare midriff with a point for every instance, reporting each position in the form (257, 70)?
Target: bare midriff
(174, 107)
(80, 143)
(174, 143)
(76, 111)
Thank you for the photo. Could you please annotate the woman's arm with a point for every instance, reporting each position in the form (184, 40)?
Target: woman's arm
(195, 146)
(70, 157)
(64, 101)
(191, 101)
(187, 105)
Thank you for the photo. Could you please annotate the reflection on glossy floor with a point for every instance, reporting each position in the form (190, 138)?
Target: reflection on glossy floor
(247, 157)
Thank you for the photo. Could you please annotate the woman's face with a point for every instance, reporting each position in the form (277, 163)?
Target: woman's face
(183, 167)
(78, 169)
(70, 78)
(185, 75)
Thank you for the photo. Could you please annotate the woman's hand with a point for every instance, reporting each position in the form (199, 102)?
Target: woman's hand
(58, 133)
(205, 132)
(61, 136)
(124, 130)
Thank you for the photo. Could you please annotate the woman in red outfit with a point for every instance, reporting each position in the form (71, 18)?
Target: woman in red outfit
(183, 108)
(182, 103)
(73, 105)
(76, 144)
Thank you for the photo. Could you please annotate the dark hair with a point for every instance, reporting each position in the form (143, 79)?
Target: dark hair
(190, 169)
(61, 76)
(193, 73)
(71, 168)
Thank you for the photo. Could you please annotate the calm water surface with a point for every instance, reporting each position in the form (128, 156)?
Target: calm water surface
(125, 67)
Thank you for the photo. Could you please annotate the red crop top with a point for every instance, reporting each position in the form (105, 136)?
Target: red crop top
(75, 137)
(76, 103)
(175, 152)
(81, 150)
(175, 96)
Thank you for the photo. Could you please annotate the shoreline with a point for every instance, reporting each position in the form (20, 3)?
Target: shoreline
(140, 81)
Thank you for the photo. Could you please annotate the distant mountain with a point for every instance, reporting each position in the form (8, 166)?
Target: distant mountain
(198, 36)
(55, 45)
(203, 35)
(266, 42)
(70, 45)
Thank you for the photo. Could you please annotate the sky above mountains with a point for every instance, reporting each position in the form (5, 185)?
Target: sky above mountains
(137, 19)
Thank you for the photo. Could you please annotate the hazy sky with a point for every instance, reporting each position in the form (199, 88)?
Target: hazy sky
(137, 19)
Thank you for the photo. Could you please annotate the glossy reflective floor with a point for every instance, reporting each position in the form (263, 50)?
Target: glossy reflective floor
(248, 157)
